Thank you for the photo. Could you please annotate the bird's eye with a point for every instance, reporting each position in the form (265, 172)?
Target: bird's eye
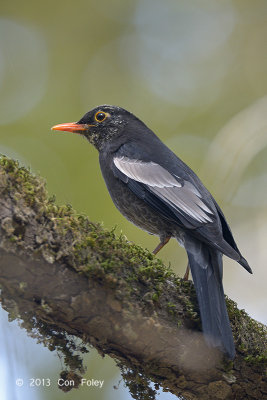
(100, 116)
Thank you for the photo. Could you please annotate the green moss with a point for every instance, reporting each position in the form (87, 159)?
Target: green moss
(171, 308)
(155, 296)
(257, 360)
(250, 336)
(227, 365)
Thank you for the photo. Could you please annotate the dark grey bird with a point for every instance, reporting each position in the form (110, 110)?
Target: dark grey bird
(159, 193)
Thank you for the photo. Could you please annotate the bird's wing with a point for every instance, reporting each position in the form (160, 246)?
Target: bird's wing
(168, 193)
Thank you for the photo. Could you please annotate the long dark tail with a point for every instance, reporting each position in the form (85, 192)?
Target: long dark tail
(206, 268)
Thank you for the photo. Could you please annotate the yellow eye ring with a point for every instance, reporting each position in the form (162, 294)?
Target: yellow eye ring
(100, 116)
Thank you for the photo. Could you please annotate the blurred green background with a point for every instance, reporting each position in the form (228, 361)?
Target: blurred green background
(193, 71)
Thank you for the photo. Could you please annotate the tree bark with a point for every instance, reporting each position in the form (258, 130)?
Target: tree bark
(62, 274)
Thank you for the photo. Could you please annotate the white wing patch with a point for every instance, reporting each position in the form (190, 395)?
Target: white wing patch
(150, 173)
(184, 198)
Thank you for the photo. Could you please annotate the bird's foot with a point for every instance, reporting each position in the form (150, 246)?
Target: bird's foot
(186, 275)
(161, 244)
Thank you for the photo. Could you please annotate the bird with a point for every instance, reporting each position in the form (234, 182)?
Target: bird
(155, 190)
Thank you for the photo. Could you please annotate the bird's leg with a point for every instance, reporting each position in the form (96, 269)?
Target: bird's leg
(161, 244)
(186, 275)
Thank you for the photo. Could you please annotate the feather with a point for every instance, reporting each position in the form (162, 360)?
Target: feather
(183, 197)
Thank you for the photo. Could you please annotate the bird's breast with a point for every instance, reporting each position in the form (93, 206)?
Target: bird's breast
(134, 209)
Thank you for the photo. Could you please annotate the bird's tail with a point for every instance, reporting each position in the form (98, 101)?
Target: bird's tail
(206, 268)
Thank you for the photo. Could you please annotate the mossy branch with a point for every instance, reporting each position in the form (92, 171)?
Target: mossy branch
(65, 277)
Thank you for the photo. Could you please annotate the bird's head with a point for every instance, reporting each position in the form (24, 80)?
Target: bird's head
(100, 125)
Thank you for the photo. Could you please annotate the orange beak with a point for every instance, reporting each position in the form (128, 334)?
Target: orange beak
(71, 127)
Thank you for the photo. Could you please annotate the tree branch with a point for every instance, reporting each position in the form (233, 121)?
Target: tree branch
(64, 275)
